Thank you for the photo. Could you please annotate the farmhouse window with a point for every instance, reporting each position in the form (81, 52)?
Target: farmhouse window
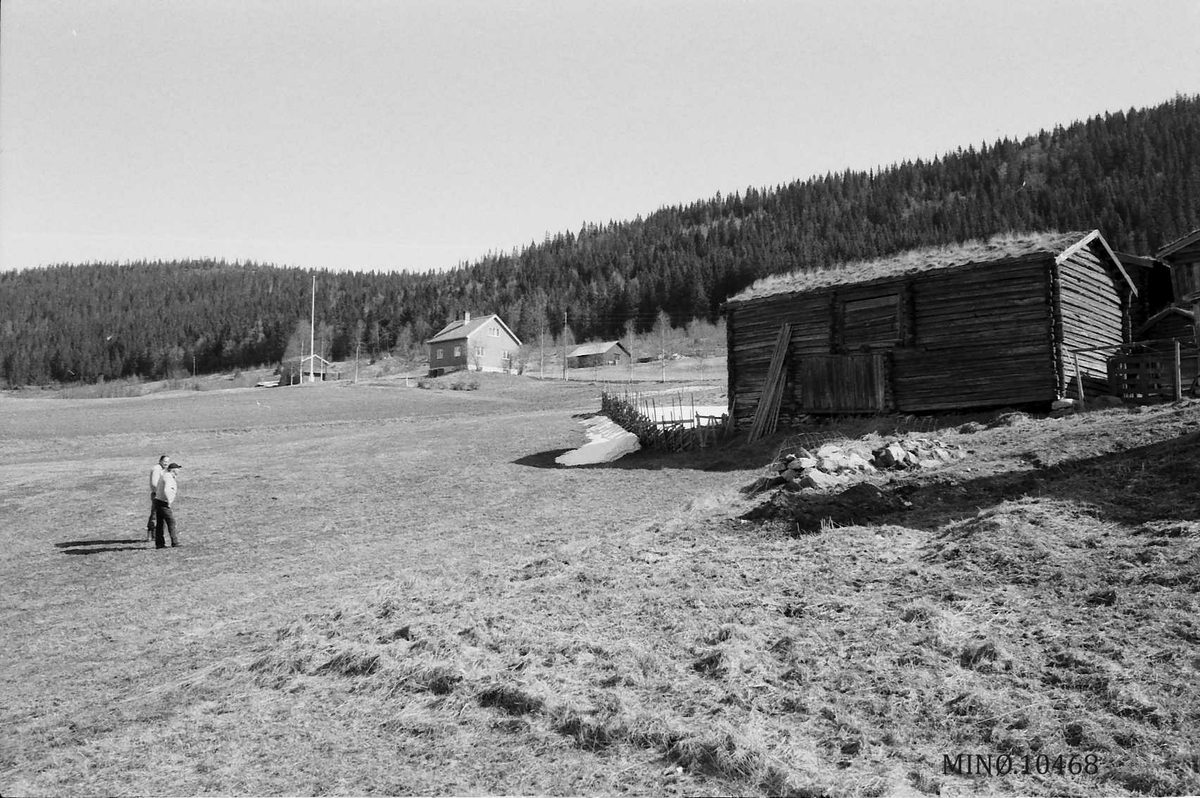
(458, 351)
(440, 353)
(479, 351)
(870, 322)
(494, 332)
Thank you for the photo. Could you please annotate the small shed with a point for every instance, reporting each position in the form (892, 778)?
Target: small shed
(603, 353)
(1183, 256)
(310, 368)
(980, 324)
(1168, 324)
(1161, 363)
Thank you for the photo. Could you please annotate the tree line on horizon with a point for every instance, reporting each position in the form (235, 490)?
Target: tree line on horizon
(1135, 175)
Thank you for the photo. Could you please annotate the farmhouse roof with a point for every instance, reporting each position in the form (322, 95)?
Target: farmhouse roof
(461, 328)
(1178, 244)
(1007, 247)
(599, 348)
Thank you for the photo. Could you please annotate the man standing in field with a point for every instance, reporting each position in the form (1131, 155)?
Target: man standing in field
(164, 499)
(155, 475)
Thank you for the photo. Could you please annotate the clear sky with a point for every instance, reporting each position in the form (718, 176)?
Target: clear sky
(404, 134)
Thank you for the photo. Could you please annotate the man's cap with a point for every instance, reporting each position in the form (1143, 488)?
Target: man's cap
(173, 466)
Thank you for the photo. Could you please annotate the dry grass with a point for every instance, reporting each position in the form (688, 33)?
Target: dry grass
(381, 592)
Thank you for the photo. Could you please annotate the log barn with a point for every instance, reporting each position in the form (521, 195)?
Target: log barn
(981, 324)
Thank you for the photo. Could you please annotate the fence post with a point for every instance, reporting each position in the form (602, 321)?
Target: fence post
(1178, 374)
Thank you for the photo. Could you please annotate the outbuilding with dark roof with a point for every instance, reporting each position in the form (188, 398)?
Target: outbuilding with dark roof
(982, 324)
(598, 353)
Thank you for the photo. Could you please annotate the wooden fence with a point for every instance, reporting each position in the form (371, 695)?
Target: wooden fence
(1153, 375)
(638, 414)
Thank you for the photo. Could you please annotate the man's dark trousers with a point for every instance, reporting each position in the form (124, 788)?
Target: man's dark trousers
(164, 513)
(151, 521)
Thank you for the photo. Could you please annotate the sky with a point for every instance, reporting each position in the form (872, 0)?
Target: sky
(403, 134)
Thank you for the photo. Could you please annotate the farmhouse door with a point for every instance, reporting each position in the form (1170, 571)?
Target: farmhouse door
(842, 383)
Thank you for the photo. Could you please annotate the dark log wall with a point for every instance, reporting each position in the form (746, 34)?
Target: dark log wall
(983, 337)
(752, 328)
(1093, 314)
(973, 336)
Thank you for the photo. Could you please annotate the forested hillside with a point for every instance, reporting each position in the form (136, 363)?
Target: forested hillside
(1135, 175)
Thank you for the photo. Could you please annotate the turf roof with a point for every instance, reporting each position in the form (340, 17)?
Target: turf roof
(1008, 246)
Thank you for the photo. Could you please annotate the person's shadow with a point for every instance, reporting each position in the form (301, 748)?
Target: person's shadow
(98, 546)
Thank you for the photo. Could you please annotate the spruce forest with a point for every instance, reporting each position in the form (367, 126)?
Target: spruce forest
(1135, 175)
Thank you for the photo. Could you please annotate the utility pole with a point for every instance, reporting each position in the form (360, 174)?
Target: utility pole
(312, 335)
(357, 346)
(662, 345)
(631, 354)
(564, 345)
(542, 351)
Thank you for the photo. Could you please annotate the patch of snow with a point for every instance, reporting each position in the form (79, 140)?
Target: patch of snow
(606, 442)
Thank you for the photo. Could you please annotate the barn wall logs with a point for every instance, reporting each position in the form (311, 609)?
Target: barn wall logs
(979, 335)
(982, 338)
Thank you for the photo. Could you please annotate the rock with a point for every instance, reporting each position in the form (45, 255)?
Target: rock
(943, 454)
(803, 463)
(930, 463)
(835, 464)
(891, 456)
(819, 479)
(856, 462)
(1107, 401)
(829, 450)
(860, 450)
(1059, 404)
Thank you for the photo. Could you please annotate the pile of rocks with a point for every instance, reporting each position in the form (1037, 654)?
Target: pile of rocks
(835, 464)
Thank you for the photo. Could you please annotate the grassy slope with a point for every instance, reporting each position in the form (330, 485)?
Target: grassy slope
(383, 591)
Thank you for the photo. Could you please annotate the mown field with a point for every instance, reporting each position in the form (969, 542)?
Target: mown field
(387, 590)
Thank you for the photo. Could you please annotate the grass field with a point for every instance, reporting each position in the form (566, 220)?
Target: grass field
(388, 590)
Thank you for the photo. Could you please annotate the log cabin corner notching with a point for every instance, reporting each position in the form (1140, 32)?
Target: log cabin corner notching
(982, 324)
